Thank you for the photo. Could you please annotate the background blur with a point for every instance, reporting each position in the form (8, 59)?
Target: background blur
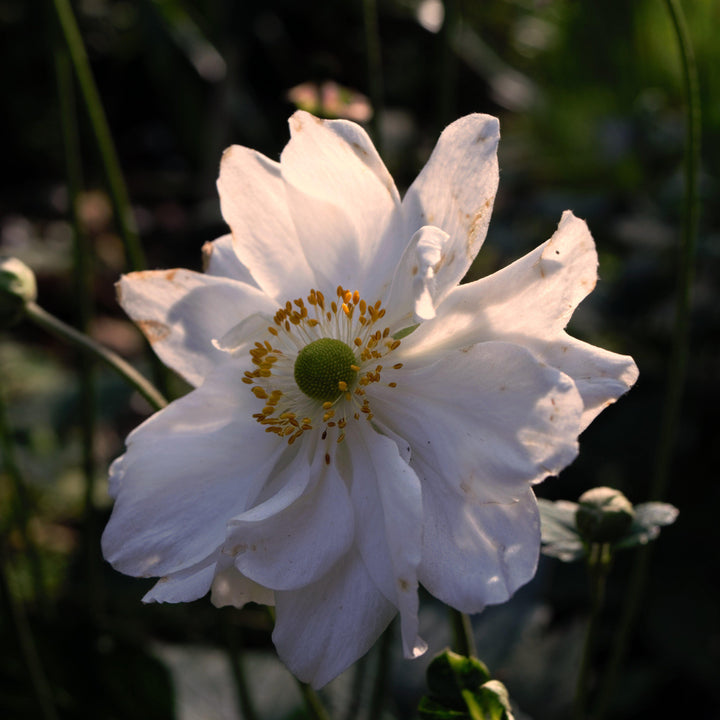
(590, 101)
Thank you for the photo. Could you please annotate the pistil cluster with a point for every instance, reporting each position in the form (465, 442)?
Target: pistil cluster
(313, 369)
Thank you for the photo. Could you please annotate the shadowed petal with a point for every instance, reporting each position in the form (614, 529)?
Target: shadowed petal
(476, 553)
(490, 418)
(295, 537)
(323, 628)
(388, 504)
(180, 312)
(186, 472)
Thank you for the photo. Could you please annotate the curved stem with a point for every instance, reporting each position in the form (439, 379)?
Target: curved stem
(57, 327)
(374, 65)
(464, 640)
(103, 137)
(679, 354)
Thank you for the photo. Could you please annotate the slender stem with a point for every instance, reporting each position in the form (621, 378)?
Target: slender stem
(374, 66)
(82, 273)
(382, 673)
(463, 633)
(237, 666)
(313, 703)
(57, 327)
(103, 137)
(26, 642)
(21, 507)
(680, 345)
(598, 568)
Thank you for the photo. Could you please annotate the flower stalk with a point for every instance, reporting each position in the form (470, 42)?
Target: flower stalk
(680, 342)
(464, 639)
(103, 137)
(85, 343)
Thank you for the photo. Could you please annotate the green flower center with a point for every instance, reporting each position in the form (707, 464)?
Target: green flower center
(325, 368)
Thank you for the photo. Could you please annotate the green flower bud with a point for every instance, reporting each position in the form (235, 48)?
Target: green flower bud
(17, 287)
(604, 515)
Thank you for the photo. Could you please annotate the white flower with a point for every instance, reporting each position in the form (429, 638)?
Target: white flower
(360, 422)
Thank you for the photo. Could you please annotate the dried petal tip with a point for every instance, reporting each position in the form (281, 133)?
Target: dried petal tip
(17, 287)
(604, 515)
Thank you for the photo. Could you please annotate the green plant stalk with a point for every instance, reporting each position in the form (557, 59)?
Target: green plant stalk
(82, 276)
(21, 507)
(464, 640)
(101, 130)
(382, 672)
(26, 642)
(598, 565)
(85, 343)
(237, 667)
(374, 67)
(680, 343)
(313, 704)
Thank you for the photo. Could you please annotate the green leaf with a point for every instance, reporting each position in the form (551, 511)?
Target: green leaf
(461, 689)
(649, 518)
(560, 537)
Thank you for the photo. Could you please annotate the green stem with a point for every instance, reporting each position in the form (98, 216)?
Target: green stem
(82, 272)
(313, 704)
(464, 640)
(85, 343)
(374, 66)
(237, 666)
(21, 507)
(101, 130)
(598, 567)
(26, 642)
(680, 344)
(382, 673)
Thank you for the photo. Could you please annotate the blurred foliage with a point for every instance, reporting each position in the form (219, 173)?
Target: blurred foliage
(590, 102)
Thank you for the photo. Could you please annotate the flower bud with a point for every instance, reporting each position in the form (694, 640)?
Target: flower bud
(17, 287)
(604, 515)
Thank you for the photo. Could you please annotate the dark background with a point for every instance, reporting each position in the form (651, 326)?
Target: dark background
(591, 106)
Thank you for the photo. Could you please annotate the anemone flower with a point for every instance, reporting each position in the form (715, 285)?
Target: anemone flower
(360, 422)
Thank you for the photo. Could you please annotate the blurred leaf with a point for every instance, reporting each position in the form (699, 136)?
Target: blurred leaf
(649, 518)
(560, 537)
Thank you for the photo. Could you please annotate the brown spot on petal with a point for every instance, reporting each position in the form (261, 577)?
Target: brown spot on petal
(404, 584)
(207, 251)
(359, 149)
(153, 330)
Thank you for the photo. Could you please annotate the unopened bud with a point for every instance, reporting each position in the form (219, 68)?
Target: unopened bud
(17, 287)
(604, 515)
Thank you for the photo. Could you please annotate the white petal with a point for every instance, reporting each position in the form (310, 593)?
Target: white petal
(343, 202)
(414, 290)
(184, 586)
(292, 542)
(230, 587)
(388, 503)
(220, 259)
(322, 629)
(455, 191)
(490, 418)
(180, 312)
(187, 470)
(476, 553)
(254, 205)
(529, 303)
